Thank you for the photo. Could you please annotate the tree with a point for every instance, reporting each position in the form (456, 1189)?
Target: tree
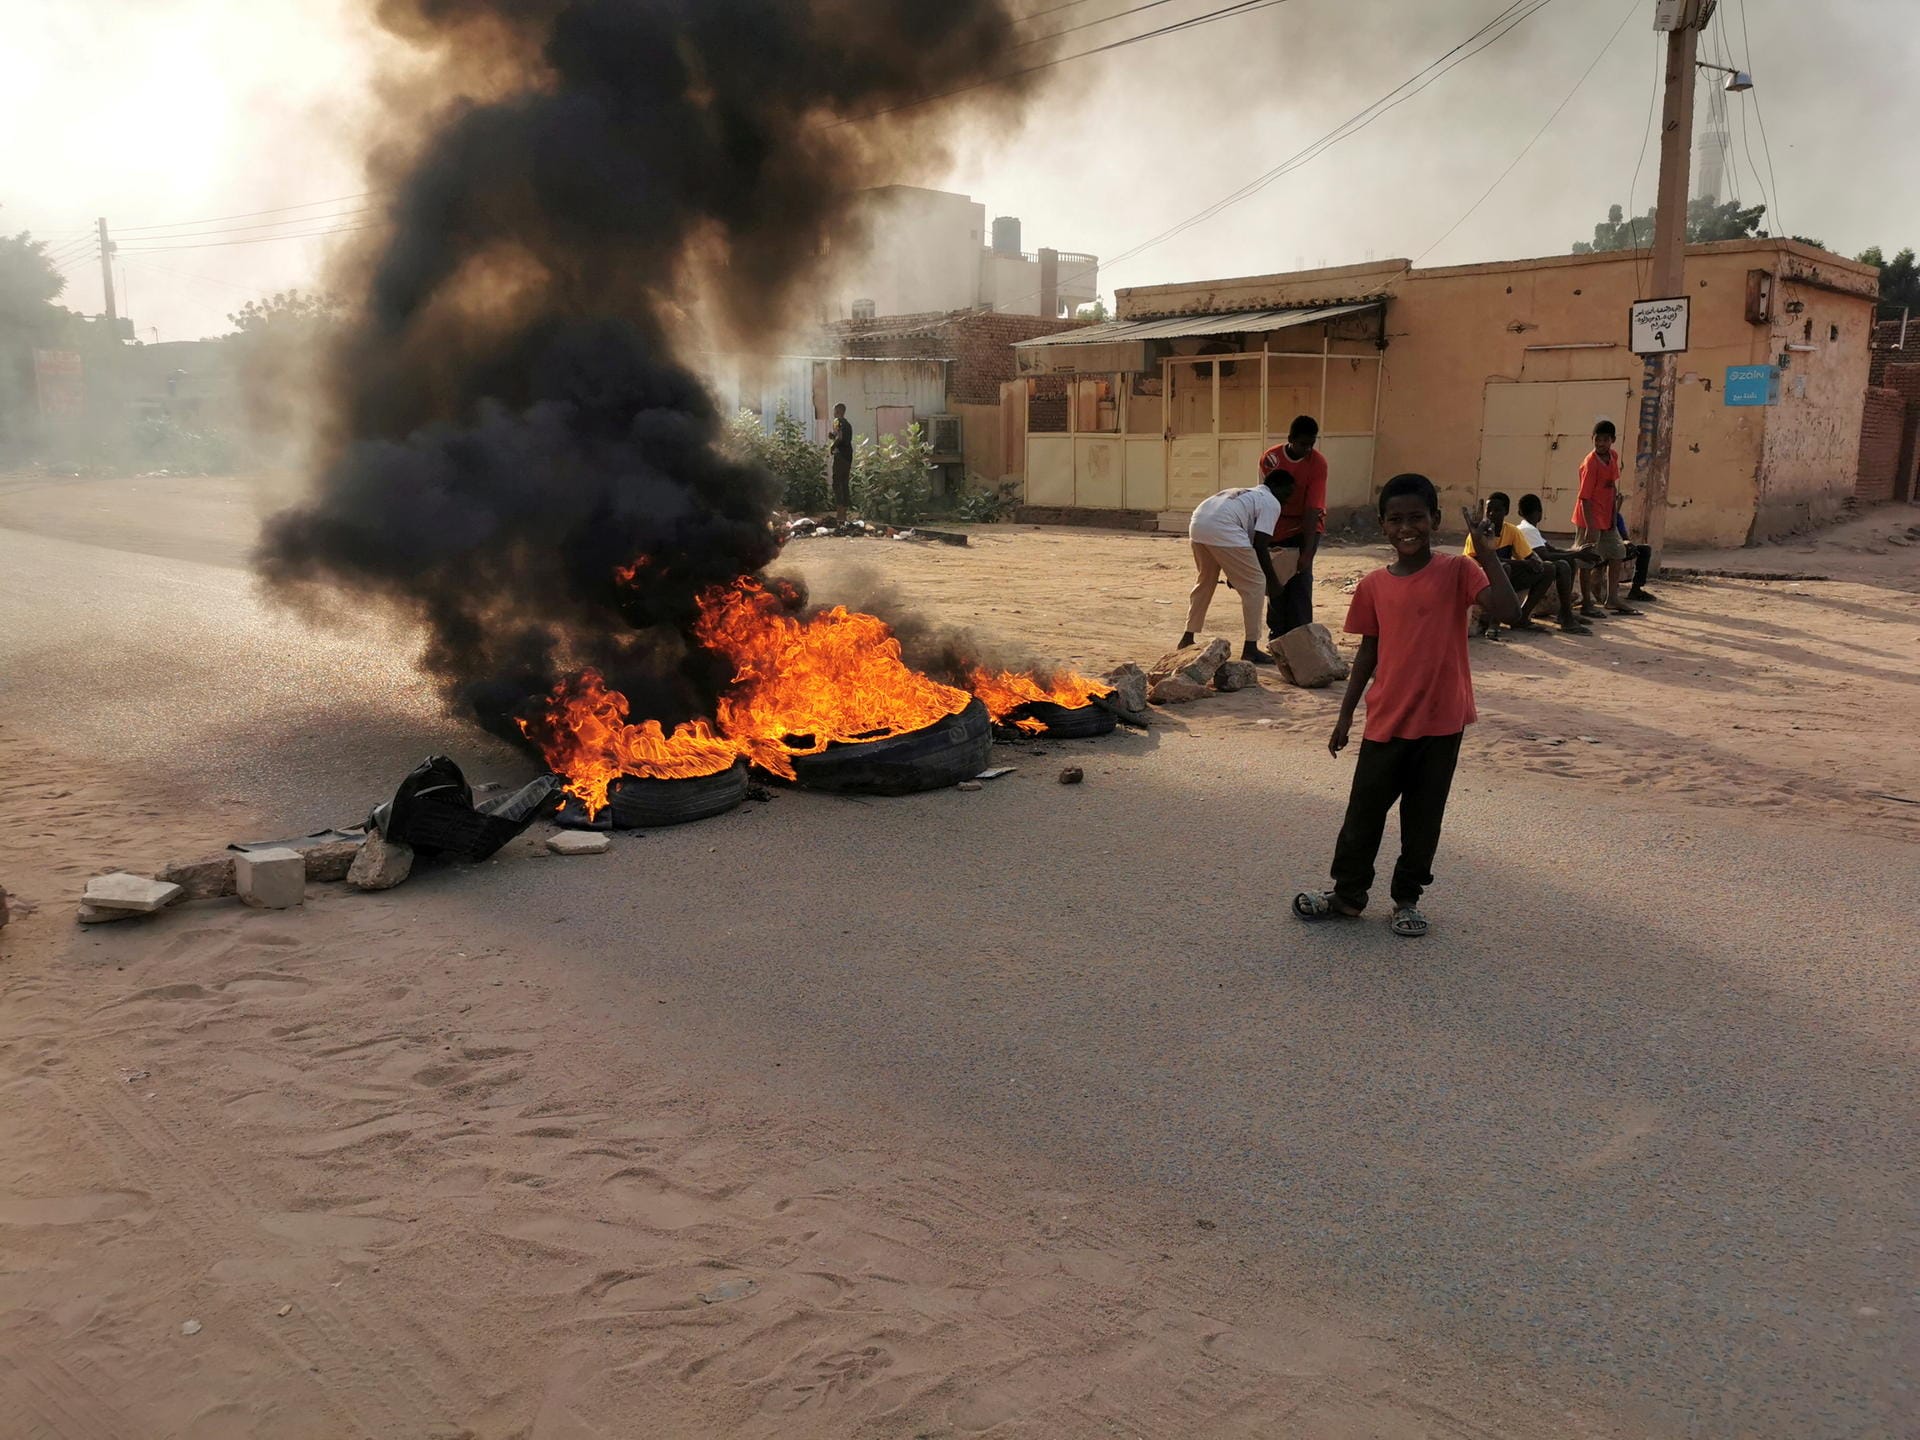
(29, 284)
(1899, 277)
(1707, 220)
(1096, 312)
(285, 311)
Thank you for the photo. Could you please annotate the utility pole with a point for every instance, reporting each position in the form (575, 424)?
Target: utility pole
(1683, 20)
(106, 274)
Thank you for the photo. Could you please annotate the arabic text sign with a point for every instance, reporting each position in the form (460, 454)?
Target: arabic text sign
(1658, 327)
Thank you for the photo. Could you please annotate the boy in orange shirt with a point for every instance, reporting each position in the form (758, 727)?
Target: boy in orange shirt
(1412, 620)
(1593, 516)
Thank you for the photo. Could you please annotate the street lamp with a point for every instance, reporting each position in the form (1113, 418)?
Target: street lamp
(1737, 80)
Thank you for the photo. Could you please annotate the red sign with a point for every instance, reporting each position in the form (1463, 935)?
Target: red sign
(61, 382)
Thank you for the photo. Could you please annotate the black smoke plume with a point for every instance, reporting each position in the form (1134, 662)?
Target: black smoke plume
(508, 419)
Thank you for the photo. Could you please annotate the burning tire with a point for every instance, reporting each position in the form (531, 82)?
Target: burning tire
(944, 753)
(650, 804)
(1063, 722)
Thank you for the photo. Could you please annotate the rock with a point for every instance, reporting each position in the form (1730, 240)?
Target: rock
(1129, 684)
(381, 863)
(736, 1289)
(1177, 690)
(579, 842)
(135, 894)
(270, 879)
(94, 915)
(1312, 659)
(1196, 663)
(1072, 775)
(5, 914)
(1284, 670)
(1236, 675)
(969, 785)
(192, 1327)
(209, 879)
(330, 861)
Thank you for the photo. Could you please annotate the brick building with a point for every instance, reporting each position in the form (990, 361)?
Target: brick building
(1890, 432)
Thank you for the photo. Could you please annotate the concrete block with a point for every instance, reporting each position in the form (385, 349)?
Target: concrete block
(271, 879)
(208, 879)
(133, 893)
(579, 842)
(1312, 659)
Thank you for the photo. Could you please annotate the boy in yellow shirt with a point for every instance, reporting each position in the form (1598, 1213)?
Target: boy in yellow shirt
(1531, 574)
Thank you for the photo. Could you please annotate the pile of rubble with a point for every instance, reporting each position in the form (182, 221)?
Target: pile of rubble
(1306, 657)
(802, 527)
(433, 815)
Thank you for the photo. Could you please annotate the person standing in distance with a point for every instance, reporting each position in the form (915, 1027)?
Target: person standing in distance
(1303, 521)
(840, 442)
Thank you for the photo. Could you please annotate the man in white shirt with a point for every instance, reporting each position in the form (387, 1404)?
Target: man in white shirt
(1232, 534)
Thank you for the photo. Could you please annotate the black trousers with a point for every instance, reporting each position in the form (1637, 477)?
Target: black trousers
(1418, 774)
(842, 480)
(1642, 557)
(1293, 606)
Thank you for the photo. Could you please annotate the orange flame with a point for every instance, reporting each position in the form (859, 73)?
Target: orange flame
(585, 737)
(1007, 691)
(800, 686)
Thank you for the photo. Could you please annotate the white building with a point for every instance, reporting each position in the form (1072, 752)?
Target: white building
(929, 250)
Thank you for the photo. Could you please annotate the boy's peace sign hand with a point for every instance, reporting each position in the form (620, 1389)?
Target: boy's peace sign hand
(1479, 529)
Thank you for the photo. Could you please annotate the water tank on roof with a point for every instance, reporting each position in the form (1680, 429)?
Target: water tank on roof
(1006, 234)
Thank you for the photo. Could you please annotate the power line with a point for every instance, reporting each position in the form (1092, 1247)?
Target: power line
(1226, 12)
(243, 215)
(256, 240)
(1591, 67)
(1089, 24)
(262, 225)
(1760, 114)
(1643, 253)
(1394, 98)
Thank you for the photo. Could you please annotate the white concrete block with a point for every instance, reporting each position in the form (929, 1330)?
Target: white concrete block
(271, 879)
(121, 891)
(579, 842)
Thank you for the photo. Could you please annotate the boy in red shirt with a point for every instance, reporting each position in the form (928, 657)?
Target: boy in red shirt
(1303, 520)
(1593, 516)
(1412, 620)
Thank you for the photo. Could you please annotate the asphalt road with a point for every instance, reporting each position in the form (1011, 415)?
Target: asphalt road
(1638, 1118)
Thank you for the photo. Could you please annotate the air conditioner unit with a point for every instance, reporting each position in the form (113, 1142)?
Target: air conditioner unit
(943, 436)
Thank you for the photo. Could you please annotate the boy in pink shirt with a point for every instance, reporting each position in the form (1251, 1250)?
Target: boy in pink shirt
(1412, 620)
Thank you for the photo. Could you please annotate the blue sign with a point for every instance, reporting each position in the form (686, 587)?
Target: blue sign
(1751, 385)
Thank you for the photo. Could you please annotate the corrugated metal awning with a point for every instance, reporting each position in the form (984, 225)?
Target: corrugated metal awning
(1177, 327)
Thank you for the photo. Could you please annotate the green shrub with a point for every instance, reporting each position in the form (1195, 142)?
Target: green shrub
(893, 478)
(795, 461)
(982, 504)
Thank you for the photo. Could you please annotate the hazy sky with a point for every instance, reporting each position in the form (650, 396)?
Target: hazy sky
(167, 116)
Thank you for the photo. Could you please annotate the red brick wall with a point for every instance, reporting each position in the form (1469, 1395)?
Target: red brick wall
(979, 342)
(1905, 380)
(1882, 432)
(1886, 335)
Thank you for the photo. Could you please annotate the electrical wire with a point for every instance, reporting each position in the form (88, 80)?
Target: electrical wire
(1089, 24)
(146, 230)
(1760, 114)
(256, 240)
(1643, 254)
(1593, 65)
(1225, 12)
(1394, 98)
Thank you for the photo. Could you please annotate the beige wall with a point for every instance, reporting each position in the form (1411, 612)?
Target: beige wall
(1738, 473)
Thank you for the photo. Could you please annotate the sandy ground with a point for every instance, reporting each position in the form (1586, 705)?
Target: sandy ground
(1007, 1114)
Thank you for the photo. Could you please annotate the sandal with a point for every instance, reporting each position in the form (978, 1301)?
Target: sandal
(1320, 905)
(1593, 612)
(1407, 922)
(1524, 624)
(1575, 627)
(1624, 610)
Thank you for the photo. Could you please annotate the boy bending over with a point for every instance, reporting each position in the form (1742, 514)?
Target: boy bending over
(1412, 620)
